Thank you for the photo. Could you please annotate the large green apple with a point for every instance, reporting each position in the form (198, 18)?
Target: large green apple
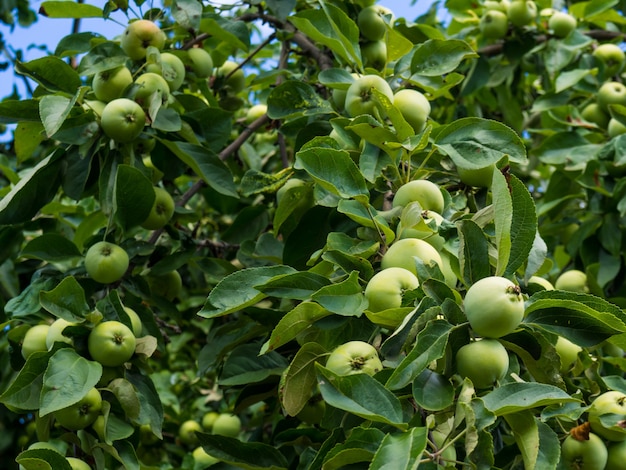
(402, 254)
(371, 22)
(138, 36)
(612, 402)
(231, 76)
(111, 343)
(494, 306)
(201, 62)
(172, 69)
(82, 413)
(562, 24)
(384, 290)
(611, 93)
(354, 357)
(162, 210)
(586, 454)
(35, 340)
(150, 86)
(414, 107)
(106, 262)
(123, 120)
(425, 192)
(573, 280)
(110, 84)
(611, 56)
(359, 97)
(374, 54)
(522, 12)
(494, 24)
(484, 362)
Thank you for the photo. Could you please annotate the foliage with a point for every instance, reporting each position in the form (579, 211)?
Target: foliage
(283, 217)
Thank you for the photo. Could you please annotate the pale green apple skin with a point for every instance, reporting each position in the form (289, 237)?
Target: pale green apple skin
(611, 402)
(123, 120)
(138, 36)
(149, 83)
(35, 340)
(615, 128)
(616, 456)
(55, 333)
(402, 252)
(106, 262)
(596, 115)
(568, 353)
(477, 177)
(611, 56)
(354, 357)
(414, 107)
(522, 12)
(484, 362)
(562, 24)
(371, 22)
(494, 24)
(590, 454)
(201, 62)
(359, 97)
(237, 81)
(110, 84)
(172, 69)
(573, 280)
(384, 290)
(425, 192)
(611, 93)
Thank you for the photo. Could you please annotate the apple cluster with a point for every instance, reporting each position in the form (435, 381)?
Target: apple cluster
(373, 22)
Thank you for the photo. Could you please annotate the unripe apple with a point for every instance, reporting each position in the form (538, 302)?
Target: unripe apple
(235, 82)
(494, 24)
(413, 106)
(594, 113)
(611, 56)
(573, 280)
(201, 62)
(172, 69)
(123, 120)
(499, 5)
(477, 177)
(374, 54)
(385, 289)
(187, 432)
(110, 84)
(255, 112)
(611, 93)
(616, 456)
(484, 362)
(586, 454)
(568, 353)
(615, 128)
(522, 12)
(55, 333)
(138, 36)
(162, 210)
(402, 252)
(35, 340)
(541, 282)
(227, 424)
(561, 24)
(149, 86)
(354, 357)
(372, 23)
(425, 192)
(612, 402)
(359, 97)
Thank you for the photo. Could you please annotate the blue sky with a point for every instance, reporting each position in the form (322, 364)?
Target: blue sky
(48, 32)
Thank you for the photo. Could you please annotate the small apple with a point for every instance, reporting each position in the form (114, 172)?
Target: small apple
(593, 113)
(111, 343)
(82, 413)
(78, 464)
(568, 353)
(540, 282)
(374, 54)
(231, 76)
(255, 112)
(522, 12)
(123, 120)
(413, 106)
(612, 402)
(359, 97)
(586, 454)
(494, 24)
(384, 290)
(227, 424)
(202, 459)
(484, 362)
(612, 58)
(55, 333)
(425, 192)
(106, 262)
(35, 340)
(187, 432)
(425, 229)
(162, 210)
(167, 285)
(110, 84)
(615, 128)
(561, 24)
(573, 280)
(138, 36)
(135, 321)
(149, 86)
(172, 69)
(477, 177)
(402, 252)
(96, 106)
(201, 62)
(371, 22)
(354, 357)
(494, 306)
(611, 93)
(208, 419)
(499, 5)
(616, 456)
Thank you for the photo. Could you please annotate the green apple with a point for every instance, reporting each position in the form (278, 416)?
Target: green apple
(485, 362)
(171, 68)
(499, 5)
(541, 282)
(384, 290)
(110, 84)
(573, 280)
(611, 93)
(135, 321)
(586, 454)
(494, 306)
(202, 459)
(612, 58)
(477, 177)
(374, 54)
(82, 413)
(371, 22)
(226, 424)
(414, 107)
(150, 86)
(55, 333)
(402, 254)
(111, 343)
(359, 97)
(35, 340)
(208, 419)
(522, 12)
(78, 464)
(425, 192)
(616, 456)
(187, 432)
(354, 357)
(568, 353)
(561, 24)
(96, 106)
(612, 402)
(138, 36)
(162, 210)
(231, 76)
(255, 112)
(106, 262)
(594, 113)
(201, 62)
(615, 128)
(425, 229)
(494, 24)
(167, 285)
(123, 120)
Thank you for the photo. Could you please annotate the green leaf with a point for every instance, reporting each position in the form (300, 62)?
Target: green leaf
(503, 217)
(42, 459)
(67, 300)
(134, 196)
(433, 391)
(294, 99)
(50, 247)
(236, 291)
(281, 8)
(523, 225)
(474, 143)
(335, 171)
(52, 73)
(244, 455)
(187, 14)
(400, 451)
(53, 110)
(473, 252)
(205, 164)
(332, 28)
(64, 9)
(244, 366)
(293, 323)
(14, 111)
(361, 395)
(233, 32)
(25, 391)
(298, 285)
(67, 380)
(33, 191)
(516, 397)
(437, 57)
(343, 298)
(584, 319)
(300, 378)
(430, 345)
(537, 442)
(150, 406)
(367, 216)
(359, 447)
